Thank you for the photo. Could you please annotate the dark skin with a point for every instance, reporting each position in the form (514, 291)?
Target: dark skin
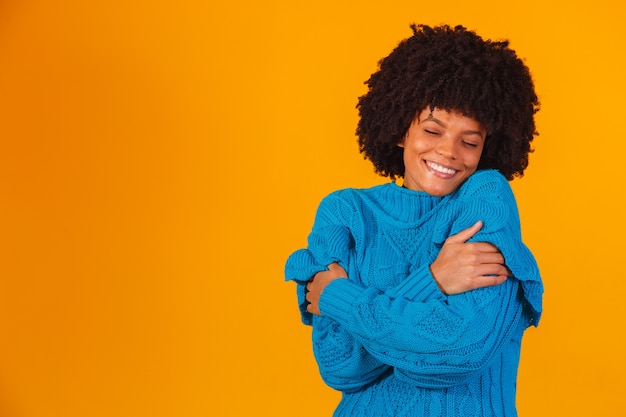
(461, 266)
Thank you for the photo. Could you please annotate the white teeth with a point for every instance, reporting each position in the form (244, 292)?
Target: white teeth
(440, 168)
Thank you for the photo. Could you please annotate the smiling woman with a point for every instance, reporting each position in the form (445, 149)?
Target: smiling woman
(414, 310)
(441, 150)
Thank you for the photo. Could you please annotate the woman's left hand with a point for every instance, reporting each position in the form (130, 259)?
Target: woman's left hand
(317, 284)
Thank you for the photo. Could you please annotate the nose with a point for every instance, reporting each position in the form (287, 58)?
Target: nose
(446, 148)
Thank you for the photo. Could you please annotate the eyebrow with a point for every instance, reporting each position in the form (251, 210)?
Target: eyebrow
(442, 124)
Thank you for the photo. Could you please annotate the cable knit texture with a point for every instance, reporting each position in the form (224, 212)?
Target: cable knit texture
(388, 338)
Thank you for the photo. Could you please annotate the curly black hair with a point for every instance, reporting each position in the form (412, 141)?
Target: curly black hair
(451, 69)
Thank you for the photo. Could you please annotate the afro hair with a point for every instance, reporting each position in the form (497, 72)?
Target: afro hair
(452, 69)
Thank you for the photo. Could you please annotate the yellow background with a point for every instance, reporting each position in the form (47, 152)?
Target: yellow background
(159, 161)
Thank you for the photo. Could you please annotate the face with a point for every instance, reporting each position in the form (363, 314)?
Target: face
(441, 150)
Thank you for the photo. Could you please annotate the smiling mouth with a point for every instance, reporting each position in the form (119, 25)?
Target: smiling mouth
(440, 168)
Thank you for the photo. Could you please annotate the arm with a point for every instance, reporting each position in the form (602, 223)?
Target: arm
(343, 362)
(460, 266)
(437, 343)
(300, 267)
(444, 341)
(463, 266)
(329, 242)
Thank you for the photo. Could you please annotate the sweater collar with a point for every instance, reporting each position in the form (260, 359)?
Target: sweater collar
(401, 205)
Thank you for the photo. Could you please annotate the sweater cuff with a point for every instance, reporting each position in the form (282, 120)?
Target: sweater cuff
(301, 266)
(418, 286)
(338, 298)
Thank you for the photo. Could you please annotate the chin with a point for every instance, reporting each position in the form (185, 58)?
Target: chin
(436, 191)
(439, 193)
(442, 190)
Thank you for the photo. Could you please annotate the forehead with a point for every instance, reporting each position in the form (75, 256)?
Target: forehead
(449, 118)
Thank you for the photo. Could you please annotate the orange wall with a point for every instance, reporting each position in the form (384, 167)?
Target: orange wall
(159, 161)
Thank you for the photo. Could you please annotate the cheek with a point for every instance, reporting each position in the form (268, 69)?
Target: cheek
(475, 158)
(418, 146)
(471, 164)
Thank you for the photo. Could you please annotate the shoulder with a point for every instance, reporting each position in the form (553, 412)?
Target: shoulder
(485, 196)
(487, 183)
(345, 204)
(350, 196)
(349, 203)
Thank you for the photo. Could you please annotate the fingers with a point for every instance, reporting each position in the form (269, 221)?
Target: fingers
(483, 252)
(489, 258)
(313, 309)
(488, 281)
(312, 298)
(489, 270)
(466, 234)
(483, 246)
(320, 280)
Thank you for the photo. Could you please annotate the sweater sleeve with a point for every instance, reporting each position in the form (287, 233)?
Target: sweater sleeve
(343, 361)
(329, 241)
(487, 196)
(444, 341)
(344, 364)
(435, 344)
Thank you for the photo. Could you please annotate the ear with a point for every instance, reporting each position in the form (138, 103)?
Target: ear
(401, 142)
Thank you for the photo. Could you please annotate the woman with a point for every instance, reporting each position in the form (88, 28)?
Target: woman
(408, 319)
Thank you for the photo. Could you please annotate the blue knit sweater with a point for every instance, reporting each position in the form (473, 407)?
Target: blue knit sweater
(388, 338)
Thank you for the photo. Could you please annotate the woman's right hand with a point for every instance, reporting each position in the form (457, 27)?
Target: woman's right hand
(462, 266)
